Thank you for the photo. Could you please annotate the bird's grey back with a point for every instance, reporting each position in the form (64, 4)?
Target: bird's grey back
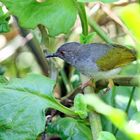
(87, 56)
(94, 50)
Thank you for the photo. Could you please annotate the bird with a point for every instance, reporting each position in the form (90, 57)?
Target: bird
(95, 60)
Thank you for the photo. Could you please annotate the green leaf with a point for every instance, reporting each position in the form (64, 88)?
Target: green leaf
(70, 129)
(122, 97)
(133, 21)
(4, 27)
(107, 110)
(23, 105)
(106, 136)
(35, 83)
(80, 106)
(116, 116)
(105, 1)
(57, 15)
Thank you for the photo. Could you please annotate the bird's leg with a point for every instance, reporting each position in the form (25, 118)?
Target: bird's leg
(110, 85)
(90, 83)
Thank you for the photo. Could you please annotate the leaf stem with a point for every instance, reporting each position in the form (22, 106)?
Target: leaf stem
(99, 31)
(95, 124)
(58, 106)
(83, 18)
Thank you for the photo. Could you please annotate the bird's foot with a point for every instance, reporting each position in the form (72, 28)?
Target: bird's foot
(110, 85)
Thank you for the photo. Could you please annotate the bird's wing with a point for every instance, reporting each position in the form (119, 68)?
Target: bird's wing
(116, 57)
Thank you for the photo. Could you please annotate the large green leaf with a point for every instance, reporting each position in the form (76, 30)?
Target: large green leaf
(35, 83)
(22, 107)
(105, 1)
(57, 15)
(70, 129)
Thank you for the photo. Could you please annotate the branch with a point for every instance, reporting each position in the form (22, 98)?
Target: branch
(101, 84)
(120, 81)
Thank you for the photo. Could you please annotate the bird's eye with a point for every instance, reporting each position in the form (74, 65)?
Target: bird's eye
(62, 53)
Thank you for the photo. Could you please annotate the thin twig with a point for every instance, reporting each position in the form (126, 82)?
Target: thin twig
(37, 52)
(72, 94)
(130, 99)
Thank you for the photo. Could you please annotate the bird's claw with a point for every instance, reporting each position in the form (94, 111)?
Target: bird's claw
(110, 85)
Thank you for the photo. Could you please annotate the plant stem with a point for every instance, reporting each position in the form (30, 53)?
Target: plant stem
(130, 99)
(99, 31)
(94, 118)
(37, 51)
(66, 110)
(113, 94)
(66, 81)
(45, 37)
(55, 104)
(128, 105)
(95, 124)
(83, 18)
(15, 65)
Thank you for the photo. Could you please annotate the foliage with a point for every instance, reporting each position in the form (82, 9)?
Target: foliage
(4, 27)
(133, 24)
(106, 136)
(69, 128)
(24, 103)
(29, 107)
(52, 13)
(105, 1)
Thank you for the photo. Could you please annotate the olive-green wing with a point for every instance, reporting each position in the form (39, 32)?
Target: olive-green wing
(116, 57)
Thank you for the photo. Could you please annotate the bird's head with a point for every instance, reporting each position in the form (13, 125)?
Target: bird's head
(67, 52)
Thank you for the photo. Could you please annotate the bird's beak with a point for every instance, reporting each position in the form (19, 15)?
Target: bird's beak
(52, 55)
